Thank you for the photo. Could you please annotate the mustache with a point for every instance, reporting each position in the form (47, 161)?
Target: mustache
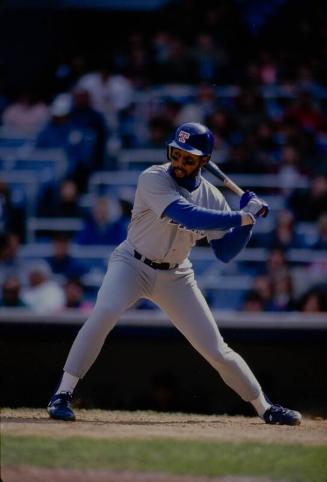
(178, 169)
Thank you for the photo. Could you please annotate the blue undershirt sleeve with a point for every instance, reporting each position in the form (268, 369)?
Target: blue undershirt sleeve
(232, 243)
(195, 217)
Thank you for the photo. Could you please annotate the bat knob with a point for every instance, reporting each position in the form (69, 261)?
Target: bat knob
(264, 211)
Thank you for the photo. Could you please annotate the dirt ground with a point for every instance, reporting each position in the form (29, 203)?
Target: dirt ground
(140, 425)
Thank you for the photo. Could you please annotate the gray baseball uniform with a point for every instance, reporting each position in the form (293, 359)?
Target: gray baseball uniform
(155, 237)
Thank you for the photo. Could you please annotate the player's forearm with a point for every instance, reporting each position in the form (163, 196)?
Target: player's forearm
(195, 217)
(232, 243)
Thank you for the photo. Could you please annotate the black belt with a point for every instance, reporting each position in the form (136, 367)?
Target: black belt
(153, 264)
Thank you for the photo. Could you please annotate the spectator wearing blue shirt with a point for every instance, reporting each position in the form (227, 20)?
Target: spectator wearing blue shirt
(101, 228)
(61, 261)
(84, 116)
(78, 141)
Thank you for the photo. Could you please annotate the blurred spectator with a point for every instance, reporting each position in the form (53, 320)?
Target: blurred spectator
(263, 287)
(268, 69)
(68, 72)
(132, 131)
(61, 262)
(161, 43)
(241, 159)
(57, 130)
(321, 242)
(159, 130)
(283, 296)
(43, 295)
(284, 235)
(110, 92)
(78, 141)
(266, 141)
(12, 216)
(101, 227)
(85, 117)
(60, 201)
(249, 110)
(221, 123)
(253, 302)
(198, 110)
(209, 59)
(10, 264)
(306, 113)
(276, 263)
(313, 301)
(178, 66)
(310, 205)
(11, 293)
(74, 295)
(170, 111)
(137, 61)
(306, 81)
(289, 170)
(26, 115)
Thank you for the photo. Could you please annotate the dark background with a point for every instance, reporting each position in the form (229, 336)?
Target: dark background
(35, 37)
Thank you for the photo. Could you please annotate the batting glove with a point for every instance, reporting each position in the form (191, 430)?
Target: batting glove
(256, 207)
(246, 198)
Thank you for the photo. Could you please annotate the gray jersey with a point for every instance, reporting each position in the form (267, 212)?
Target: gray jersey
(156, 236)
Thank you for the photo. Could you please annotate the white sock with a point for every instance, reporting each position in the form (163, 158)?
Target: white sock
(68, 383)
(260, 404)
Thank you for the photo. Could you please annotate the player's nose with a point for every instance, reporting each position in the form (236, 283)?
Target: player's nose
(178, 161)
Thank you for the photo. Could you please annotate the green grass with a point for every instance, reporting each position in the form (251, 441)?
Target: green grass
(291, 462)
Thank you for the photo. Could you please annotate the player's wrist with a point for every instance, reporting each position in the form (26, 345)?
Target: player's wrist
(247, 218)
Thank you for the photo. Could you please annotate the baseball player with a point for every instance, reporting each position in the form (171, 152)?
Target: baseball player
(174, 207)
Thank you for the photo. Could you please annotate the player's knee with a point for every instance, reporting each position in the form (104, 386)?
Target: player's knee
(220, 355)
(105, 316)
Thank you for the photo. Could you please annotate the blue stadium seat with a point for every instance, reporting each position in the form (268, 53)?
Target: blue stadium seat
(46, 164)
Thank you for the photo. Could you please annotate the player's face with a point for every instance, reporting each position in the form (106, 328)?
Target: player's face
(185, 164)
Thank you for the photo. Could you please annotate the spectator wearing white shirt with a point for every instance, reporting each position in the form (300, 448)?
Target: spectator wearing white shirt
(43, 295)
(110, 92)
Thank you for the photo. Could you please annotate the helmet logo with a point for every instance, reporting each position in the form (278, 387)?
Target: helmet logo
(183, 136)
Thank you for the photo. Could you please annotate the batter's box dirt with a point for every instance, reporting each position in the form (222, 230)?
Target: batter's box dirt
(115, 424)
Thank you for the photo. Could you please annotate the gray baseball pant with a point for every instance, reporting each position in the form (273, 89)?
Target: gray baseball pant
(175, 292)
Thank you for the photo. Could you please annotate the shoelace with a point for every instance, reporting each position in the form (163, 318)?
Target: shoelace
(279, 408)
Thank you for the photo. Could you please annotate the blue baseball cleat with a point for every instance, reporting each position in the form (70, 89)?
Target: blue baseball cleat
(278, 415)
(60, 408)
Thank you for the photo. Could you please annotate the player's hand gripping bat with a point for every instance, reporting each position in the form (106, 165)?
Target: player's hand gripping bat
(214, 169)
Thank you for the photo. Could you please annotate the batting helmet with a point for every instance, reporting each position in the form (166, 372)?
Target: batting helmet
(194, 138)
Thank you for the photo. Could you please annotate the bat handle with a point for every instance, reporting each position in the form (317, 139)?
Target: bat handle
(233, 187)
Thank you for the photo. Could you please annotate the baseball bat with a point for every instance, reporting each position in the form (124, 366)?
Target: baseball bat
(217, 172)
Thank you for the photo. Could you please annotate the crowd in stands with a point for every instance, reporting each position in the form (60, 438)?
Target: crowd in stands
(269, 117)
